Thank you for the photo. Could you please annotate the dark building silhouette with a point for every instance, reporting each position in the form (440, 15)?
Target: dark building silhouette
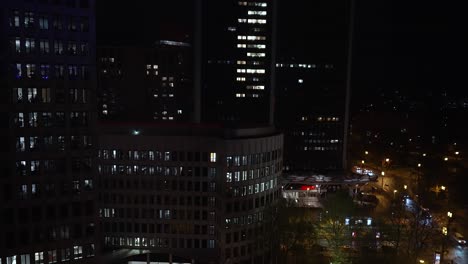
(47, 202)
(235, 45)
(145, 83)
(311, 112)
(312, 83)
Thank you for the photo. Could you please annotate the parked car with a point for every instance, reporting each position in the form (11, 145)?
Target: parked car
(459, 238)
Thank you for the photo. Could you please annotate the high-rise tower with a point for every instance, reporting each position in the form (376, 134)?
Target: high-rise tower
(236, 43)
(47, 200)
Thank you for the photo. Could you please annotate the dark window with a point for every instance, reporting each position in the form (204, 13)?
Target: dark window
(84, 3)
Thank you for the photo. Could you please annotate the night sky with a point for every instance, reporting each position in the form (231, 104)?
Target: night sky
(410, 46)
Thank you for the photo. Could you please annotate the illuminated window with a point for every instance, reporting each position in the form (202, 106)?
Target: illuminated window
(228, 176)
(260, 71)
(152, 69)
(256, 21)
(241, 45)
(11, 260)
(256, 87)
(240, 79)
(17, 45)
(77, 252)
(243, 37)
(255, 54)
(213, 157)
(28, 19)
(58, 47)
(240, 95)
(25, 259)
(241, 62)
(39, 257)
(20, 144)
(15, 22)
(30, 70)
(167, 214)
(256, 46)
(258, 13)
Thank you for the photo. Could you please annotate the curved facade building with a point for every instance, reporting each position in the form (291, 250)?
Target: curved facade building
(187, 194)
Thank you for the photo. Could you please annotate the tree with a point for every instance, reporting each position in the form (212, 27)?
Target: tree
(409, 231)
(294, 231)
(331, 229)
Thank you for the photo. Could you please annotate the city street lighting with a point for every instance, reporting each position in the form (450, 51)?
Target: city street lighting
(394, 192)
(405, 186)
(362, 161)
(446, 158)
(456, 152)
(449, 214)
(419, 165)
(421, 261)
(366, 152)
(442, 188)
(424, 154)
(387, 160)
(444, 230)
(383, 174)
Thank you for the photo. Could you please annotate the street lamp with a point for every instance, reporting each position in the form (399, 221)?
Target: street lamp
(424, 154)
(456, 152)
(362, 162)
(366, 152)
(394, 192)
(405, 186)
(421, 261)
(449, 214)
(387, 160)
(446, 158)
(442, 188)
(383, 174)
(419, 165)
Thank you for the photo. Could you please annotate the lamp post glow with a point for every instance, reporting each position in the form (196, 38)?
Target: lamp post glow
(449, 214)
(442, 188)
(383, 174)
(419, 165)
(387, 160)
(394, 192)
(405, 186)
(362, 162)
(446, 159)
(366, 152)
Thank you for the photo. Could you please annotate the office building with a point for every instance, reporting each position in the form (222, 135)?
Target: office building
(145, 83)
(188, 194)
(311, 113)
(234, 52)
(312, 83)
(47, 201)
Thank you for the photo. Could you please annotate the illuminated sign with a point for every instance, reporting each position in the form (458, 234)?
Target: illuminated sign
(307, 187)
